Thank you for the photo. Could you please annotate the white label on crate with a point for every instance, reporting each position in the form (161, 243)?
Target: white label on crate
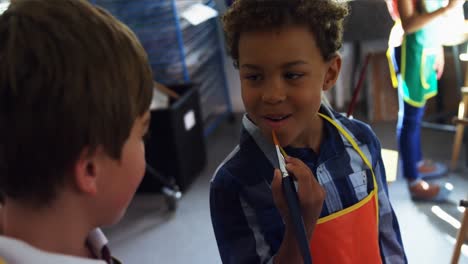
(189, 120)
(199, 13)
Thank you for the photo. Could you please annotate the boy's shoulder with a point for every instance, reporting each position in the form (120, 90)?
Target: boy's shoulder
(224, 174)
(359, 129)
(244, 166)
(16, 251)
(237, 170)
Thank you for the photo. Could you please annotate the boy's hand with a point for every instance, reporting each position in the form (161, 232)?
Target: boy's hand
(310, 192)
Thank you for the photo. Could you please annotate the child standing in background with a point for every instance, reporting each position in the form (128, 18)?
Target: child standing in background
(419, 63)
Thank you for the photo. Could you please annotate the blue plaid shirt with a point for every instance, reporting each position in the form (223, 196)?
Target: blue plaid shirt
(247, 225)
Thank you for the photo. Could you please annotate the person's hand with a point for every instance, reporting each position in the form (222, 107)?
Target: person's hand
(454, 4)
(439, 63)
(310, 192)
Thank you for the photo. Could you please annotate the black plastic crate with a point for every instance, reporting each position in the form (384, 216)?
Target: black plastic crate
(176, 146)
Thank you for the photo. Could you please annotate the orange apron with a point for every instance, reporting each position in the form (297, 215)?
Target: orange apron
(350, 235)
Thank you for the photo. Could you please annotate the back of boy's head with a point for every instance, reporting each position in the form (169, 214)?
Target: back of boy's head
(323, 17)
(72, 78)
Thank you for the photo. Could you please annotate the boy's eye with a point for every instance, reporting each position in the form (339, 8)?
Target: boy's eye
(253, 77)
(293, 75)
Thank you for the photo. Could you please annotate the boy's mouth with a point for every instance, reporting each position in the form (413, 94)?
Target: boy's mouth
(275, 121)
(277, 118)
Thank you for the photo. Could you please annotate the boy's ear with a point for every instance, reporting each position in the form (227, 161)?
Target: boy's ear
(333, 71)
(85, 172)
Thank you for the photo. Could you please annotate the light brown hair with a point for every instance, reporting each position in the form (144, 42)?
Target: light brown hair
(72, 77)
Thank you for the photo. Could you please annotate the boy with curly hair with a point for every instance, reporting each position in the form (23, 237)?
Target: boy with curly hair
(75, 90)
(287, 55)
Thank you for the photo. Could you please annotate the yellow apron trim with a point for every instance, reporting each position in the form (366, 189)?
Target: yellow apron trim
(393, 75)
(422, 74)
(347, 210)
(403, 59)
(419, 104)
(349, 138)
(366, 161)
(392, 69)
(2, 261)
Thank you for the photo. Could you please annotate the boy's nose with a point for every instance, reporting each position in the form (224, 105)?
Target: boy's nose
(274, 92)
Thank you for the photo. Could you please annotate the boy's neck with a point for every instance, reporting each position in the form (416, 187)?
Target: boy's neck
(311, 136)
(56, 229)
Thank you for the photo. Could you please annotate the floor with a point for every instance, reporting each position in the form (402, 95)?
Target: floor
(150, 233)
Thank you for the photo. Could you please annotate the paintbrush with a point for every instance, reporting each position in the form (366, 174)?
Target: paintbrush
(289, 191)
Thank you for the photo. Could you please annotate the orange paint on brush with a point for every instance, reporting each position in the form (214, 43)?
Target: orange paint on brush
(275, 140)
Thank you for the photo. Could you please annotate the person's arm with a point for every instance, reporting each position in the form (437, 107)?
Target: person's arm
(413, 21)
(392, 10)
(439, 63)
(234, 233)
(391, 245)
(237, 243)
(311, 196)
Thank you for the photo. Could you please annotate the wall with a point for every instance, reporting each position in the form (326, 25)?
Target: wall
(232, 76)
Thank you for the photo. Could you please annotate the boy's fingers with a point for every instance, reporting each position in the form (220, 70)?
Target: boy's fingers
(310, 192)
(301, 172)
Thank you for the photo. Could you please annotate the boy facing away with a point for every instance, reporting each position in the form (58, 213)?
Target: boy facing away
(287, 55)
(75, 88)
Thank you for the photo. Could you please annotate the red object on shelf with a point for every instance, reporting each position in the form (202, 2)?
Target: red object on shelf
(358, 87)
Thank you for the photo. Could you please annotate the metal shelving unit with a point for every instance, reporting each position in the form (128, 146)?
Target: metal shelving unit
(178, 51)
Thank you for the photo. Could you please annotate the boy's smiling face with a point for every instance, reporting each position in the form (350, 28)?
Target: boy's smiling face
(282, 76)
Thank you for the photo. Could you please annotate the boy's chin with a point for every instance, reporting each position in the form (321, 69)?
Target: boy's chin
(284, 140)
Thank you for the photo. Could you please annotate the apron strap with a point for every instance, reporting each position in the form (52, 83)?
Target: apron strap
(359, 151)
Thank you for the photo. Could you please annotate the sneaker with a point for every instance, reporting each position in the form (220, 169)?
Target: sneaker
(421, 190)
(428, 169)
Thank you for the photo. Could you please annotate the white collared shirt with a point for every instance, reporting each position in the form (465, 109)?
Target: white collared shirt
(13, 251)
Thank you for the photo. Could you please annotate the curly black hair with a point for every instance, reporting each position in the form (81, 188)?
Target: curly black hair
(323, 17)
